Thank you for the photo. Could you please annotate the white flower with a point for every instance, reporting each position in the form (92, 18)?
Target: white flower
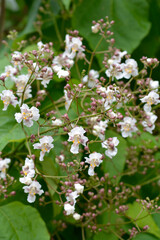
(68, 100)
(110, 98)
(26, 180)
(154, 85)
(117, 57)
(111, 114)
(40, 46)
(62, 61)
(21, 82)
(149, 122)
(150, 99)
(76, 216)
(16, 56)
(99, 129)
(91, 78)
(72, 197)
(73, 46)
(45, 145)
(27, 115)
(3, 166)
(63, 73)
(33, 69)
(8, 97)
(33, 189)
(115, 70)
(95, 28)
(10, 72)
(79, 188)
(129, 68)
(77, 137)
(28, 168)
(45, 75)
(16, 59)
(110, 144)
(95, 159)
(69, 209)
(128, 126)
(57, 122)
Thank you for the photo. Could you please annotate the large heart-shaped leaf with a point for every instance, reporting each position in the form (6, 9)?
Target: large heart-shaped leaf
(131, 21)
(141, 218)
(19, 221)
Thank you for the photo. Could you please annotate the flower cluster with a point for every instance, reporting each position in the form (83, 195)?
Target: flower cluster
(69, 207)
(92, 119)
(33, 187)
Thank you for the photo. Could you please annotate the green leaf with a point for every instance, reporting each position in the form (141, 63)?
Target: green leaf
(49, 169)
(12, 5)
(104, 236)
(145, 139)
(30, 48)
(141, 218)
(9, 84)
(131, 21)
(66, 4)
(55, 6)
(10, 130)
(31, 18)
(153, 38)
(116, 164)
(19, 221)
(145, 236)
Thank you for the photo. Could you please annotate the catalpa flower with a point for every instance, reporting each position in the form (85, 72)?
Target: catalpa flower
(129, 68)
(128, 127)
(91, 78)
(72, 197)
(3, 166)
(28, 168)
(28, 171)
(27, 115)
(110, 144)
(33, 189)
(154, 85)
(79, 188)
(117, 57)
(95, 159)
(63, 73)
(45, 145)
(76, 216)
(10, 72)
(17, 57)
(149, 121)
(69, 209)
(57, 122)
(73, 46)
(63, 61)
(115, 70)
(40, 46)
(110, 98)
(68, 100)
(21, 82)
(77, 137)
(46, 74)
(99, 129)
(8, 97)
(95, 28)
(150, 99)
